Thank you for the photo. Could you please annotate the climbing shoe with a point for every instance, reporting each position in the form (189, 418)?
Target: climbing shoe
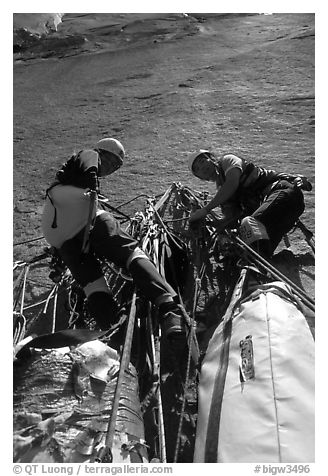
(173, 325)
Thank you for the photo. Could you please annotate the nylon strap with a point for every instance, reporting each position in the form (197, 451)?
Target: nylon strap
(213, 428)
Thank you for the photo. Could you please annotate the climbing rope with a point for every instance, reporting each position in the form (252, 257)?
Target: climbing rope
(28, 241)
(104, 455)
(156, 391)
(263, 263)
(54, 312)
(191, 337)
(200, 270)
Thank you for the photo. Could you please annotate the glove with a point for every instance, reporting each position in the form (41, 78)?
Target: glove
(92, 180)
(198, 215)
(303, 183)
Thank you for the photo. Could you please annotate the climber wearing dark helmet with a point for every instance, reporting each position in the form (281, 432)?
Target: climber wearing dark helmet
(267, 203)
(67, 214)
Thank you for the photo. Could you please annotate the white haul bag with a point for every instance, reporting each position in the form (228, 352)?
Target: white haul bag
(256, 391)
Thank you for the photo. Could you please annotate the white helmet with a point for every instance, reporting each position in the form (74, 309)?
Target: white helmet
(194, 156)
(111, 145)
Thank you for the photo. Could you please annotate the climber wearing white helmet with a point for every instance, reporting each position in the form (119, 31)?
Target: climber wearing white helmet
(268, 203)
(111, 154)
(82, 231)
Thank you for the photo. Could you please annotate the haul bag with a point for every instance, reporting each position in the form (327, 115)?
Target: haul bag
(62, 404)
(256, 391)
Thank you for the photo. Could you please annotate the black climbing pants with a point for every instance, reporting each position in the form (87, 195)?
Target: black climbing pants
(108, 241)
(280, 210)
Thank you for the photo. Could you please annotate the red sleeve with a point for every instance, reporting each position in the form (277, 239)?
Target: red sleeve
(87, 160)
(231, 161)
(80, 170)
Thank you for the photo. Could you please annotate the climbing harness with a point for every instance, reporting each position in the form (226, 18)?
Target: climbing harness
(91, 215)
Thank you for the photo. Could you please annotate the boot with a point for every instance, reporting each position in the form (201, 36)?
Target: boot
(172, 322)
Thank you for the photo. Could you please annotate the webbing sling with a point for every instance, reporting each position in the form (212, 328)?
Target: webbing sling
(212, 436)
(54, 221)
(93, 198)
(252, 294)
